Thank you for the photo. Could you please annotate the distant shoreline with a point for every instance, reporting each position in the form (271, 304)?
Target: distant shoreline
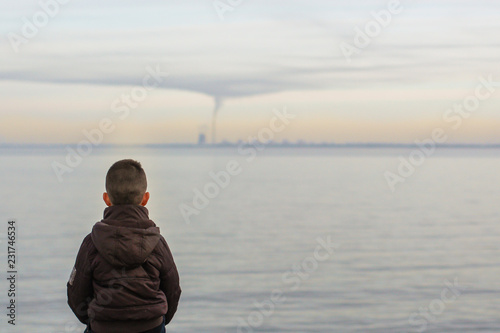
(236, 145)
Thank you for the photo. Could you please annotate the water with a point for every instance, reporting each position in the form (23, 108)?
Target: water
(251, 244)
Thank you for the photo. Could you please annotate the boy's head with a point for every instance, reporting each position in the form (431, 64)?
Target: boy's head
(126, 184)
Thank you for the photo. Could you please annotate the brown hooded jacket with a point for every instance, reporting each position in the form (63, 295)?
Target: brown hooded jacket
(125, 278)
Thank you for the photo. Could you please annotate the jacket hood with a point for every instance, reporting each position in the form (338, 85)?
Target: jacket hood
(126, 236)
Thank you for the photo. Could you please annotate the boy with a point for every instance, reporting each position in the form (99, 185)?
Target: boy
(125, 279)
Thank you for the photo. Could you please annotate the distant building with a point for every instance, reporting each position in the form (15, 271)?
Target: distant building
(301, 142)
(202, 139)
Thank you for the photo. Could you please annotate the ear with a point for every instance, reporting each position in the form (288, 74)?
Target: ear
(106, 199)
(145, 199)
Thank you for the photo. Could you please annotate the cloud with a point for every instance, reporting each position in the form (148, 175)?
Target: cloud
(247, 56)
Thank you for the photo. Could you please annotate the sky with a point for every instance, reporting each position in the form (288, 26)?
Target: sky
(66, 64)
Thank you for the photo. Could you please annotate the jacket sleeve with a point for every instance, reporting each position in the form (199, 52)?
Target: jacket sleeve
(79, 286)
(169, 283)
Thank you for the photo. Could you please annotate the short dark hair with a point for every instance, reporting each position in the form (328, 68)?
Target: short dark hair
(126, 183)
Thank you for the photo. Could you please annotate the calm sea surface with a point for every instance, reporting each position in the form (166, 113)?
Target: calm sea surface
(425, 258)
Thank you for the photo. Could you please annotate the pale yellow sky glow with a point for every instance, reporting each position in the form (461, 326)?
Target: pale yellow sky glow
(178, 116)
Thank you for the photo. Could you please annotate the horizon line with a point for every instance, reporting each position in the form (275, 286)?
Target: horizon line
(228, 144)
